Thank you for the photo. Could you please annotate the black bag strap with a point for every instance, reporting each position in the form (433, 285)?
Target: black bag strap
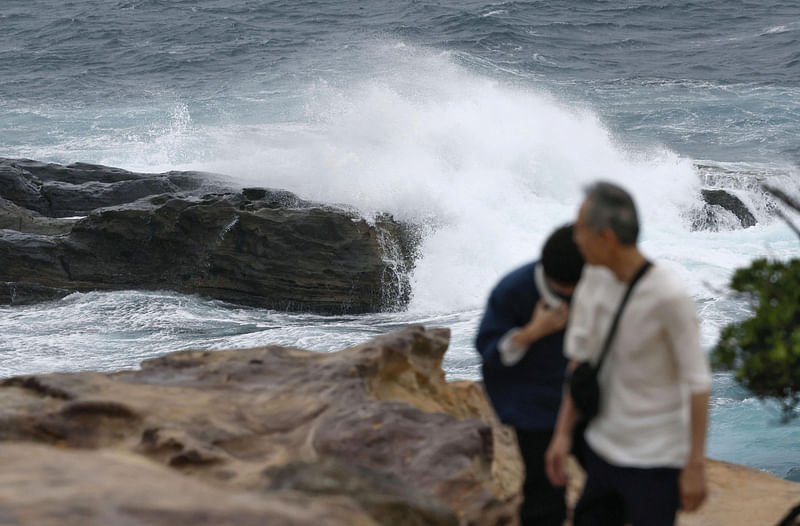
(618, 315)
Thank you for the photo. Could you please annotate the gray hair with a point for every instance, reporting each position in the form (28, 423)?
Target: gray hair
(611, 207)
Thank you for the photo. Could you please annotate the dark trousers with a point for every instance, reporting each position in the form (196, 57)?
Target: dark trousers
(544, 505)
(615, 496)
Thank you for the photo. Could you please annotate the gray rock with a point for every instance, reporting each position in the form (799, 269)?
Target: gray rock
(731, 203)
(260, 247)
(62, 191)
(721, 210)
(22, 293)
(21, 219)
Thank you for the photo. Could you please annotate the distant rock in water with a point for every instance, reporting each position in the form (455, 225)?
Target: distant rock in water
(721, 210)
(87, 227)
(730, 203)
(733, 198)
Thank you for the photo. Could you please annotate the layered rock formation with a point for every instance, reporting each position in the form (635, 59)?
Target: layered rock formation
(86, 227)
(368, 435)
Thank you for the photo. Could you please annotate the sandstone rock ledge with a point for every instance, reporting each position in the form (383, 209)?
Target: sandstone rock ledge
(368, 435)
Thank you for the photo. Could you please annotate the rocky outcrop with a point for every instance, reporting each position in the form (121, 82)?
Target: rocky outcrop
(721, 210)
(49, 486)
(369, 435)
(54, 190)
(372, 433)
(741, 496)
(723, 207)
(180, 232)
(731, 203)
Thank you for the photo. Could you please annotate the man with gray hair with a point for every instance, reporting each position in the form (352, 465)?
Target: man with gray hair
(645, 448)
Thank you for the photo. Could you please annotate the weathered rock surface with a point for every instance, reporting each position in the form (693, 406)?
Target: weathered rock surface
(180, 232)
(368, 435)
(54, 190)
(48, 486)
(374, 428)
(14, 217)
(741, 496)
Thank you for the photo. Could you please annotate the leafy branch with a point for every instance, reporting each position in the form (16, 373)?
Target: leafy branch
(764, 350)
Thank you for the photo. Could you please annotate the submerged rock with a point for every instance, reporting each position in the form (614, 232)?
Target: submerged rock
(259, 247)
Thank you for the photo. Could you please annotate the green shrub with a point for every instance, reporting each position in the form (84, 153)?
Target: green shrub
(764, 350)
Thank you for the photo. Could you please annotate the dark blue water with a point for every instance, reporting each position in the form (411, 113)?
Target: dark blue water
(716, 80)
(480, 121)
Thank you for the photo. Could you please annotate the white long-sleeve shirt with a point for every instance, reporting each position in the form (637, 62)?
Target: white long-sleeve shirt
(654, 364)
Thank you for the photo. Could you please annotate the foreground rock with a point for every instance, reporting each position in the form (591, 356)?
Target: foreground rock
(47, 486)
(740, 496)
(86, 227)
(369, 435)
(373, 433)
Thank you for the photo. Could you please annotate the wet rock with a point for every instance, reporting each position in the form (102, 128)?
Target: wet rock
(722, 210)
(13, 217)
(54, 190)
(22, 293)
(731, 203)
(261, 247)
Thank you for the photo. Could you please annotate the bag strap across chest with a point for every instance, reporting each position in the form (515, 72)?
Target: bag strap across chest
(618, 315)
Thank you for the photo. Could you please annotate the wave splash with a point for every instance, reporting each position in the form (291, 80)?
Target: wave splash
(485, 168)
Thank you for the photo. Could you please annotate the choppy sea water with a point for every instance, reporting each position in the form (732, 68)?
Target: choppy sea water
(479, 121)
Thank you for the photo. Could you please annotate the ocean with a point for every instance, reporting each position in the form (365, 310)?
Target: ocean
(479, 122)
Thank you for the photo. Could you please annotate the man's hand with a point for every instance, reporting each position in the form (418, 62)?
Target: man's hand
(555, 459)
(544, 321)
(693, 486)
(548, 319)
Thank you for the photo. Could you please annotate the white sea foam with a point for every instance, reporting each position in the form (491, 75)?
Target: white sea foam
(488, 170)
(485, 168)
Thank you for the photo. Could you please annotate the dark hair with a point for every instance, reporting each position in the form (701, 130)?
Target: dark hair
(561, 260)
(611, 207)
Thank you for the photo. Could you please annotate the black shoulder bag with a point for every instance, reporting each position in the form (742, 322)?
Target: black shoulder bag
(583, 385)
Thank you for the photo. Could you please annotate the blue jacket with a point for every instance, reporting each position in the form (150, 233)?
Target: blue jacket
(528, 394)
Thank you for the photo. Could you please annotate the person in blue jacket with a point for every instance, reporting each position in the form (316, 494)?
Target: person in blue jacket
(520, 340)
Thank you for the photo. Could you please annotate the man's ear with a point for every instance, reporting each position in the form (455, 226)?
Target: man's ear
(609, 238)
